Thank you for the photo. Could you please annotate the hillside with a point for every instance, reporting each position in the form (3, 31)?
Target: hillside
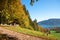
(13, 12)
(50, 23)
(25, 34)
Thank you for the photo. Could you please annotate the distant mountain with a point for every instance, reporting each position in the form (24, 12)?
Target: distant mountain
(50, 23)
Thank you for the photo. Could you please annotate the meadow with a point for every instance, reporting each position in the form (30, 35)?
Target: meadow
(57, 35)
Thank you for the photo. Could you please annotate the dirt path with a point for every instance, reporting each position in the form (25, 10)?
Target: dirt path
(20, 36)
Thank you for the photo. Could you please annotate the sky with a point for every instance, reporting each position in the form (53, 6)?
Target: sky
(43, 9)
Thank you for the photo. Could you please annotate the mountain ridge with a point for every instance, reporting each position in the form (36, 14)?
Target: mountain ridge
(50, 22)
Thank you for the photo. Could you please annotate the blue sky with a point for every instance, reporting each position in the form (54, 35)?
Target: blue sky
(43, 9)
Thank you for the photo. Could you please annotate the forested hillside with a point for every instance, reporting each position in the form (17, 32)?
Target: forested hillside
(13, 12)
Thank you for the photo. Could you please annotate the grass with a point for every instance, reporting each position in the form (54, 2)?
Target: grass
(31, 32)
(57, 35)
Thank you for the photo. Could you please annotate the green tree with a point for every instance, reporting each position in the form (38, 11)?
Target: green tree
(32, 1)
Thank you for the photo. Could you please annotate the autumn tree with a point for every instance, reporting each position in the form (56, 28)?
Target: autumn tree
(12, 11)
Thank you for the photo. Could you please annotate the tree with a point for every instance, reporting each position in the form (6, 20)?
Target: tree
(32, 1)
(13, 9)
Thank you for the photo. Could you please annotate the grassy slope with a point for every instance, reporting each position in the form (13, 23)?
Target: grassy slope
(57, 35)
(31, 32)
